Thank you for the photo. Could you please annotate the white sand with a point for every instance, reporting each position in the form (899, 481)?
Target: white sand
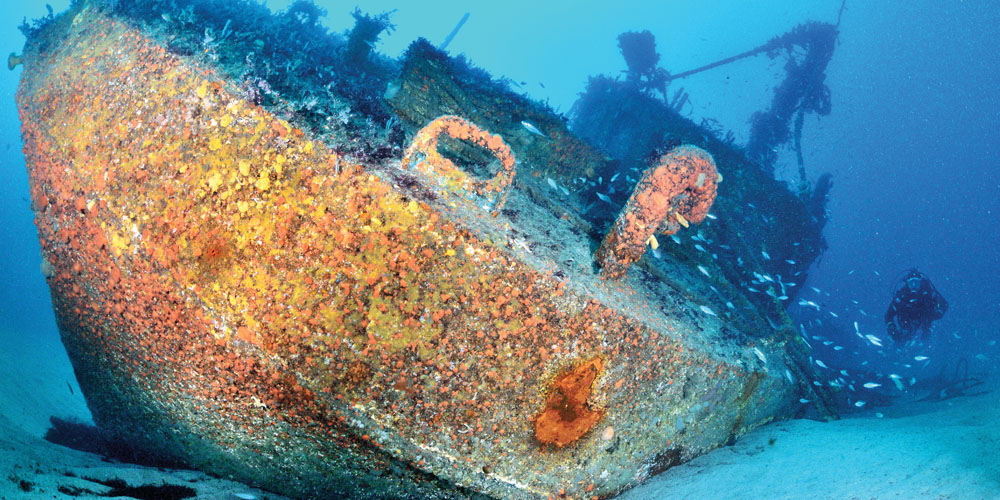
(47, 467)
(34, 372)
(37, 382)
(942, 450)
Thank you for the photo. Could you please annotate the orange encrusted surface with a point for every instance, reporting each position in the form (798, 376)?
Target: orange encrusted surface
(233, 293)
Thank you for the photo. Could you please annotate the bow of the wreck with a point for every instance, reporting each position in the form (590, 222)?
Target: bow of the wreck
(237, 295)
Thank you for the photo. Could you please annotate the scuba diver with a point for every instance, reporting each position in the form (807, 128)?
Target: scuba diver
(915, 304)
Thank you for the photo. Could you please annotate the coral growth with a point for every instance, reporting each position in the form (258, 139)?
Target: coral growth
(566, 416)
(423, 153)
(204, 252)
(330, 84)
(679, 190)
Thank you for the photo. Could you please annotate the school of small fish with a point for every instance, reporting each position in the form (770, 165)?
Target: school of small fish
(777, 287)
(876, 353)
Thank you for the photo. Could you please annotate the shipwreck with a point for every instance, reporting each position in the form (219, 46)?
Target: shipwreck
(278, 256)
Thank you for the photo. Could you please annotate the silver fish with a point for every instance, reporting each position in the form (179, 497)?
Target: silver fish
(872, 385)
(531, 128)
(808, 303)
(760, 355)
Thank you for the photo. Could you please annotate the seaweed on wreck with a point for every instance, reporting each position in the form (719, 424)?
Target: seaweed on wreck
(462, 69)
(329, 83)
(290, 394)
(801, 92)
(30, 29)
(366, 32)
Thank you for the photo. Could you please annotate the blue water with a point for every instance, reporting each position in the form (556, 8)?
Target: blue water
(912, 141)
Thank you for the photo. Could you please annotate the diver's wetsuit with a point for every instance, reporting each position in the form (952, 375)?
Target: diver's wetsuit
(911, 310)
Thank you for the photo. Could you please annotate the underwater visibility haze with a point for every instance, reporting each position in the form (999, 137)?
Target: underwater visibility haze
(289, 249)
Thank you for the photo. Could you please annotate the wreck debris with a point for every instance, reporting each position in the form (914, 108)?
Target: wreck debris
(257, 296)
(677, 192)
(424, 155)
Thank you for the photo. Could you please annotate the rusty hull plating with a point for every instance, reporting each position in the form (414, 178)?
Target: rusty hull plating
(235, 294)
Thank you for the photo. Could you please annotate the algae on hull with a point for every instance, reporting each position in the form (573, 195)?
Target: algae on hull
(235, 292)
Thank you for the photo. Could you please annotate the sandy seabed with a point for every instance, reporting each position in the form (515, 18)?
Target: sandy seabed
(918, 450)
